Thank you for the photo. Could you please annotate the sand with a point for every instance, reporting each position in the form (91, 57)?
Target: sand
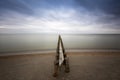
(83, 66)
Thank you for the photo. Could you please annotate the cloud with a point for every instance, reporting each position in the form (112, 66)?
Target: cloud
(59, 16)
(55, 21)
(14, 5)
(107, 6)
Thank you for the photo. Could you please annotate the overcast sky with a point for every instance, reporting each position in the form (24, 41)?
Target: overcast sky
(60, 16)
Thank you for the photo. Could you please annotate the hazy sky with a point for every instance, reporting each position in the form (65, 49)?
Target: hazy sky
(60, 16)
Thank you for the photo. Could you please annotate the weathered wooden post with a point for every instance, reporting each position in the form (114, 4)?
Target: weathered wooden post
(60, 58)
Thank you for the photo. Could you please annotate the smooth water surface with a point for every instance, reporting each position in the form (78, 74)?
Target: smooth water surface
(30, 42)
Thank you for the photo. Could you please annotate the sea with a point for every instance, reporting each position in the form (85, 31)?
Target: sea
(13, 43)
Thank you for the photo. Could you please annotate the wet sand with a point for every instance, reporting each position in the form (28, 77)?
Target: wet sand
(83, 66)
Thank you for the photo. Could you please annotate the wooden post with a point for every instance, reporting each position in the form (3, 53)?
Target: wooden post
(60, 58)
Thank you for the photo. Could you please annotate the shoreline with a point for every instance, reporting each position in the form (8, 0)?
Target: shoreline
(83, 66)
(72, 51)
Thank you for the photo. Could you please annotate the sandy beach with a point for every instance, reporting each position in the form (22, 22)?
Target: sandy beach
(83, 66)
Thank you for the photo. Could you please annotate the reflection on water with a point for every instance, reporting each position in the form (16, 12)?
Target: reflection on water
(26, 42)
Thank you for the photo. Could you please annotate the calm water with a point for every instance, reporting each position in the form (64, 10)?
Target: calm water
(29, 42)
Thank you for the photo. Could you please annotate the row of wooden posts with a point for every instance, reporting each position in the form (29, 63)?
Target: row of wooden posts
(61, 58)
